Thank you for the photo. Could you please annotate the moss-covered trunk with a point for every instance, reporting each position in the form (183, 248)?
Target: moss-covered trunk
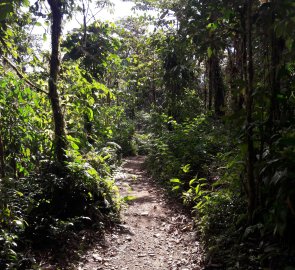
(59, 123)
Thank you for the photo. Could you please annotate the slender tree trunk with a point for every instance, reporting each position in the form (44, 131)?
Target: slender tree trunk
(205, 86)
(88, 125)
(231, 74)
(2, 158)
(274, 80)
(205, 95)
(173, 106)
(244, 72)
(235, 73)
(84, 41)
(153, 86)
(59, 123)
(210, 86)
(249, 120)
(241, 73)
(218, 87)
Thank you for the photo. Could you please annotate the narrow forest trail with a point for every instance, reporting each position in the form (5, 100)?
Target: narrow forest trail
(154, 235)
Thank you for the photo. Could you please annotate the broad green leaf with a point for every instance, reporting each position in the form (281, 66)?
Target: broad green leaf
(90, 114)
(26, 3)
(129, 198)
(197, 189)
(92, 172)
(175, 180)
(20, 194)
(186, 168)
(212, 26)
(74, 145)
(91, 101)
(44, 37)
(176, 188)
(192, 181)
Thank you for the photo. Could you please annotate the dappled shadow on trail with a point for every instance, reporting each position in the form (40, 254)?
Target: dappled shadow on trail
(66, 252)
(154, 234)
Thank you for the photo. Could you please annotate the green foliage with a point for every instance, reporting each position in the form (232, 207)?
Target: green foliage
(142, 142)
(96, 49)
(43, 204)
(24, 120)
(45, 209)
(123, 135)
(12, 223)
(277, 174)
(125, 90)
(187, 143)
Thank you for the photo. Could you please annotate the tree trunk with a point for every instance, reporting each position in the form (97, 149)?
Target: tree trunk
(249, 120)
(2, 159)
(276, 51)
(210, 83)
(84, 41)
(243, 74)
(218, 88)
(153, 87)
(59, 123)
(235, 73)
(205, 86)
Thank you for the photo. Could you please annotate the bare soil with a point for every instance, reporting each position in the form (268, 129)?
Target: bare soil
(155, 234)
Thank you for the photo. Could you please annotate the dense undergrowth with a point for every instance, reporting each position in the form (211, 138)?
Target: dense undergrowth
(201, 163)
(221, 73)
(47, 209)
(45, 205)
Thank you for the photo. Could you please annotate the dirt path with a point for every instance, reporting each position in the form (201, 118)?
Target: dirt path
(154, 234)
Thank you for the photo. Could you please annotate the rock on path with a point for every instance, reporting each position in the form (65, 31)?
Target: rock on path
(154, 234)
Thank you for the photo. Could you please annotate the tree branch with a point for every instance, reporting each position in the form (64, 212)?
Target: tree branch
(22, 76)
(18, 72)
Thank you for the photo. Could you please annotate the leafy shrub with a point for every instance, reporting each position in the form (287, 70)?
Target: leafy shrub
(46, 208)
(193, 142)
(106, 159)
(198, 161)
(123, 136)
(12, 223)
(62, 197)
(143, 142)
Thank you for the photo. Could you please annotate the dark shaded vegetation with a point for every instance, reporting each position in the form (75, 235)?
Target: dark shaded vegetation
(236, 172)
(49, 210)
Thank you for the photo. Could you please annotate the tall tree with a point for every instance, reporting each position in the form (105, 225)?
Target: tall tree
(249, 118)
(59, 123)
